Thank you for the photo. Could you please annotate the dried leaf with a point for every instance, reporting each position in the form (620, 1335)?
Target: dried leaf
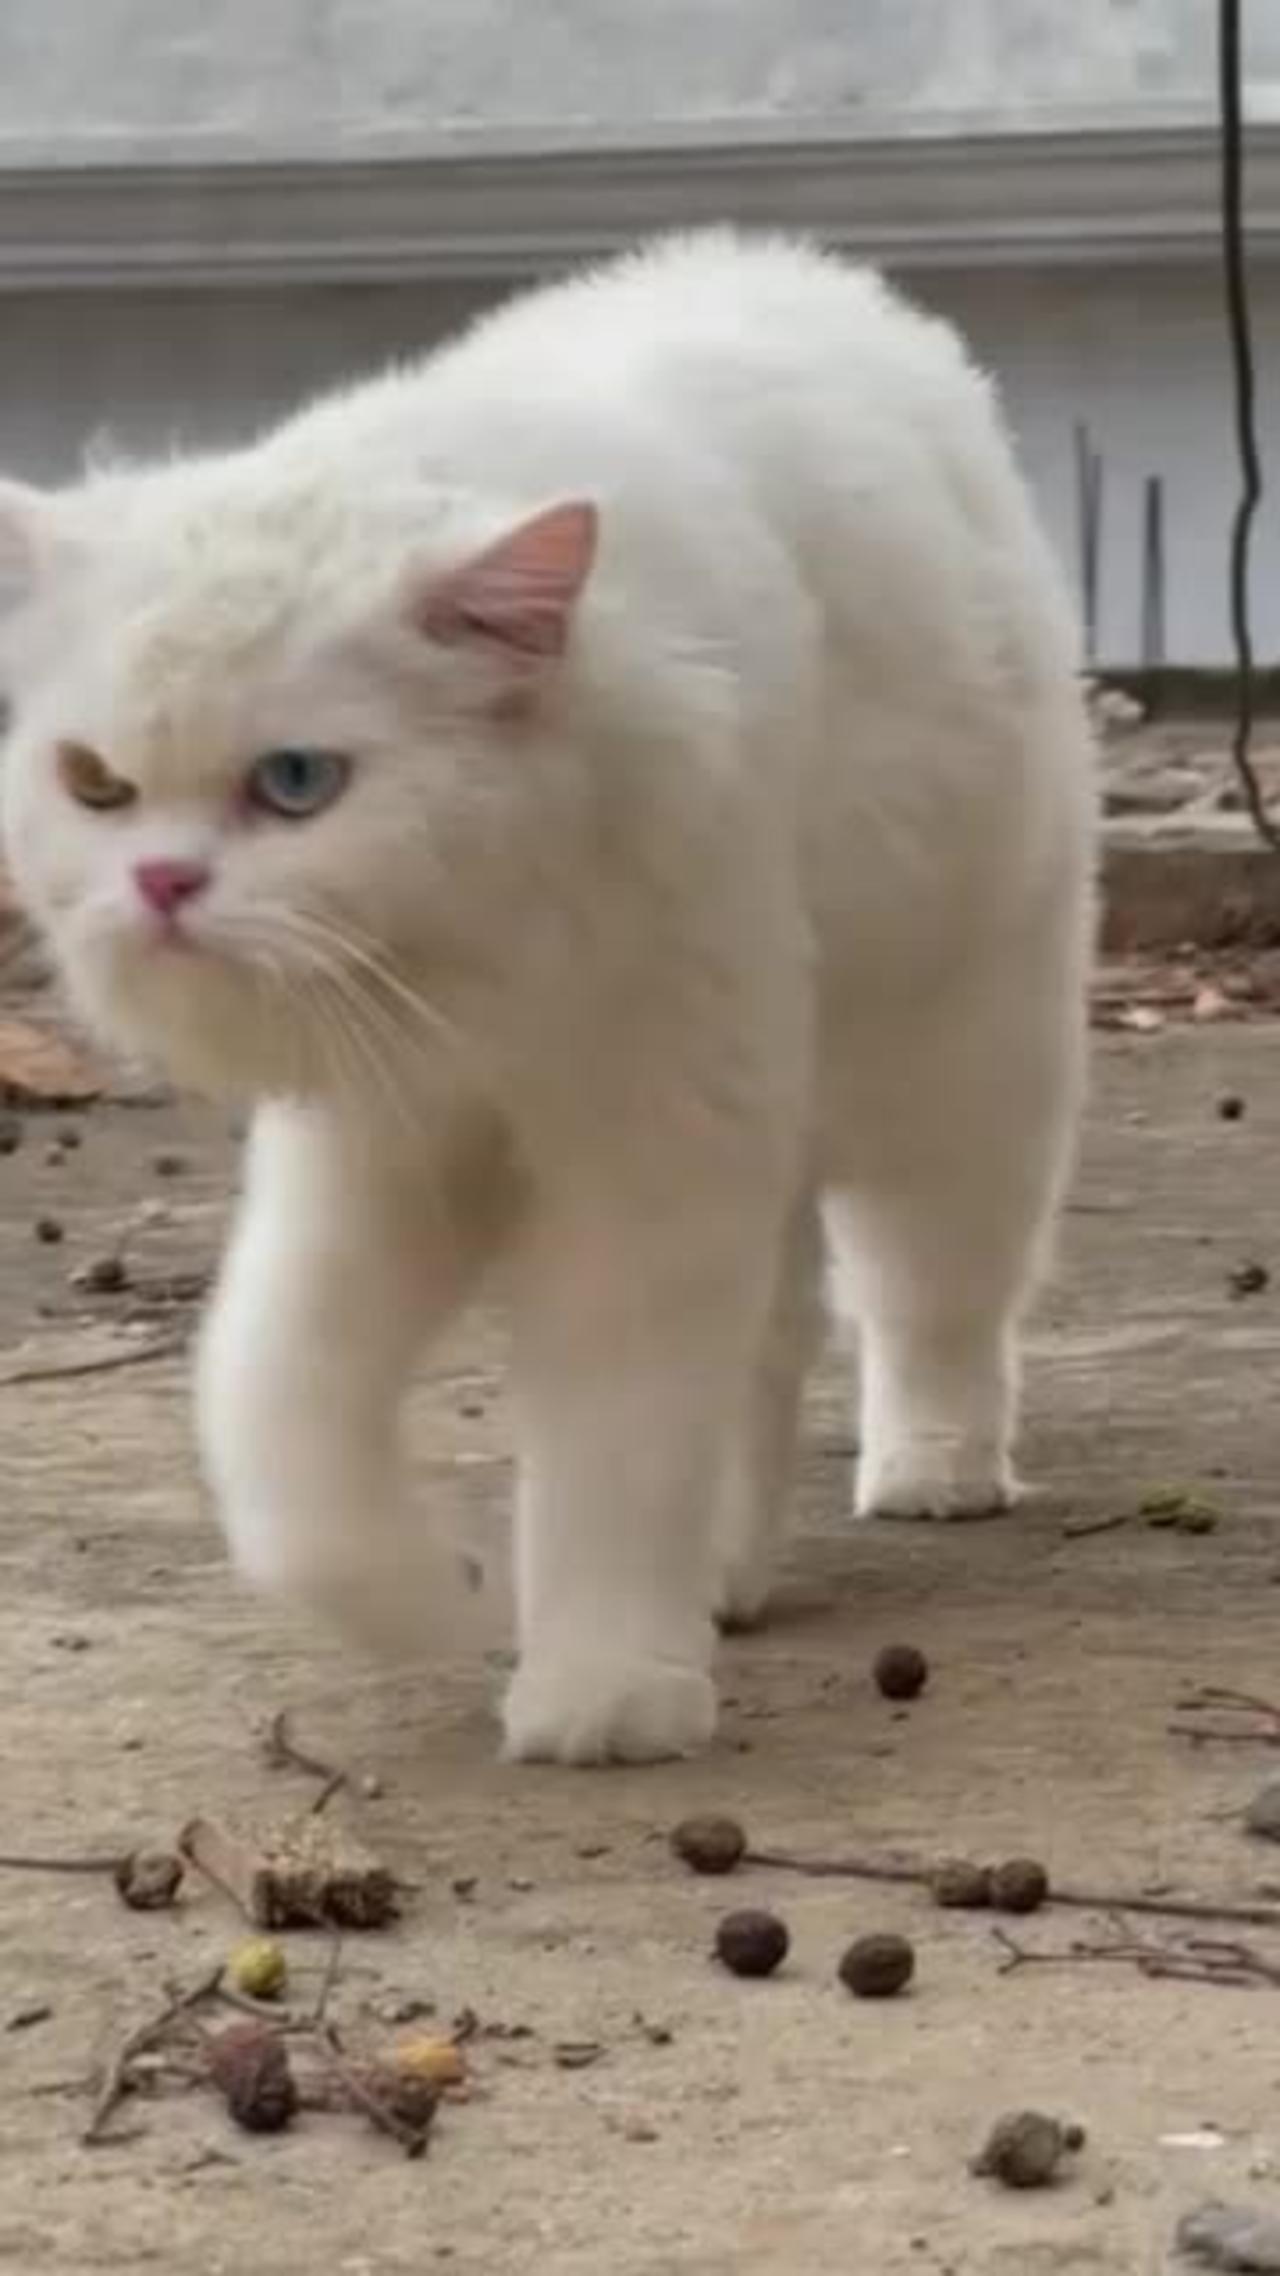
(38, 1068)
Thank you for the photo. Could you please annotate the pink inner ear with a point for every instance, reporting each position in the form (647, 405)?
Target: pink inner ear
(521, 592)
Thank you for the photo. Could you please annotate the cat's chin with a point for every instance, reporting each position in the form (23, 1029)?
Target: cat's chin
(193, 1024)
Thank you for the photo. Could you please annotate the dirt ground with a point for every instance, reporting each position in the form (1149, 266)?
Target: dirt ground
(781, 2127)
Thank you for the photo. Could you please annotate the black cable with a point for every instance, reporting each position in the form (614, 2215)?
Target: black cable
(1230, 89)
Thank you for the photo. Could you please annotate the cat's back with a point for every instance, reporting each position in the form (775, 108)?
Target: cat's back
(746, 348)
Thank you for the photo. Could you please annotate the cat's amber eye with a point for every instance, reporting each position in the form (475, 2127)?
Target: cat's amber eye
(86, 777)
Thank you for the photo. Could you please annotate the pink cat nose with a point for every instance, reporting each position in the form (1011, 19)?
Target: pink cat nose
(165, 885)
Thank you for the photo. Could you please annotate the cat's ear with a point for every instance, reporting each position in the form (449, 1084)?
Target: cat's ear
(518, 595)
(29, 540)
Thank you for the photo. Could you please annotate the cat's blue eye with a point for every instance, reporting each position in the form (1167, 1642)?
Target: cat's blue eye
(297, 783)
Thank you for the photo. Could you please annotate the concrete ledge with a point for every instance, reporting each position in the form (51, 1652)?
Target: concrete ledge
(199, 214)
(1210, 884)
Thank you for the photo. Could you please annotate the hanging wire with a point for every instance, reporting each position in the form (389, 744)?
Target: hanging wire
(1230, 88)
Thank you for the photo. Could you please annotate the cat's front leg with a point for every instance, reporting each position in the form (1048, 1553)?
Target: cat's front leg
(341, 1263)
(634, 1342)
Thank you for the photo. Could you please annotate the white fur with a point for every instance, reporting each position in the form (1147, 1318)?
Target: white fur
(774, 889)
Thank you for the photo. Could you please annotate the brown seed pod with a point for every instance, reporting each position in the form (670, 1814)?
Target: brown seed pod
(1021, 1884)
(103, 1276)
(408, 2096)
(961, 1886)
(149, 1879)
(250, 2064)
(901, 1672)
(1024, 2149)
(752, 1943)
(710, 1844)
(878, 1967)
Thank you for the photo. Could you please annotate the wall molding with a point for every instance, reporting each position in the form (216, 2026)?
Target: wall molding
(1092, 196)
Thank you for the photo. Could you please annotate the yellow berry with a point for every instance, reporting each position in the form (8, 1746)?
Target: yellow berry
(258, 1968)
(440, 2061)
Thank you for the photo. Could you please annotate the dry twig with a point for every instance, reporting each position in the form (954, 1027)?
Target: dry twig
(1216, 1698)
(281, 1753)
(1081, 1528)
(412, 2139)
(57, 1371)
(116, 2082)
(18, 1862)
(1082, 1900)
(1195, 1960)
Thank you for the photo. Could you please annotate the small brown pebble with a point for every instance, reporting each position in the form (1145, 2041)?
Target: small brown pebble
(102, 1276)
(901, 1672)
(250, 2063)
(49, 1230)
(1263, 1814)
(11, 1133)
(54, 1156)
(710, 1845)
(149, 1879)
(169, 1165)
(961, 1886)
(878, 1967)
(1025, 2149)
(69, 1138)
(752, 1943)
(1248, 1279)
(1021, 1884)
(1230, 1107)
(577, 2054)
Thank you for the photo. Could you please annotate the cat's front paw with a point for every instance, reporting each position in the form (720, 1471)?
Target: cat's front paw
(937, 1481)
(585, 1711)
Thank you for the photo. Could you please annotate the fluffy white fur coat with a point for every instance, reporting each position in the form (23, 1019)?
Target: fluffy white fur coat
(616, 796)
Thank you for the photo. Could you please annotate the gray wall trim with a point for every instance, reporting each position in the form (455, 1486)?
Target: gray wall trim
(1091, 196)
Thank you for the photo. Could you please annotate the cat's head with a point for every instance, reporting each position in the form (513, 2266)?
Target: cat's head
(265, 754)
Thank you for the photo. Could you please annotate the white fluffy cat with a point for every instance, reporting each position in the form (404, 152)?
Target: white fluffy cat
(606, 792)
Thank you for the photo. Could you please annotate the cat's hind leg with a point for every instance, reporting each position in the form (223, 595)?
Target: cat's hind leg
(965, 1131)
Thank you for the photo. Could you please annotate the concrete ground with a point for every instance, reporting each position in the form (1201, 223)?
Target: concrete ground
(720, 2127)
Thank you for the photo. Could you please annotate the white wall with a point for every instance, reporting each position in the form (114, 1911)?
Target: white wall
(1139, 355)
(154, 368)
(276, 74)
